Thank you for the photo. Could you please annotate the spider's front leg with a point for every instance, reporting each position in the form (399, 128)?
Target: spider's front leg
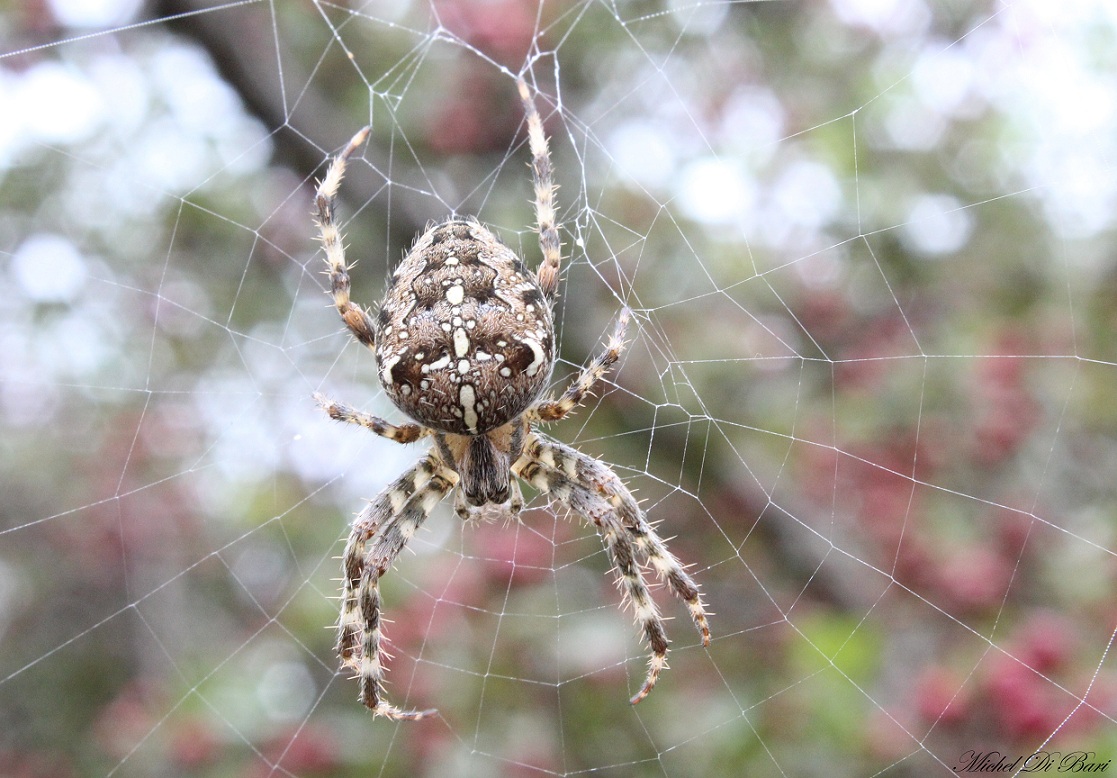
(594, 491)
(378, 535)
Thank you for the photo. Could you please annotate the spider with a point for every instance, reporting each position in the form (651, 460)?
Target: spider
(464, 345)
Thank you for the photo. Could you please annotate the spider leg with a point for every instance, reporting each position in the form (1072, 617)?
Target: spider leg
(542, 174)
(402, 433)
(592, 490)
(355, 317)
(378, 535)
(553, 410)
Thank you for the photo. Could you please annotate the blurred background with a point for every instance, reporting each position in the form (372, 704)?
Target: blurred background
(871, 392)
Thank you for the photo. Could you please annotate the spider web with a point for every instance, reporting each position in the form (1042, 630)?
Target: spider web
(869, 390)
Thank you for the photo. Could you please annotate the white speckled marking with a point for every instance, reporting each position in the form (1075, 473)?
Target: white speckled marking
(398, 499)
(537, 355)
(461, 342)
(370, 666)
(437, 365)
(467, 398)
(386, 370)
(455, 294)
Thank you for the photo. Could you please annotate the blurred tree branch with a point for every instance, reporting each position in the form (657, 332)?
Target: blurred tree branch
(243, 51)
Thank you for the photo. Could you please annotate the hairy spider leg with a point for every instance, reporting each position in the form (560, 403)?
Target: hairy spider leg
(593, 491)
(377, 537)
(400, 433)
(542, 174)
(553, 410)
(355, 317)
(366, 525)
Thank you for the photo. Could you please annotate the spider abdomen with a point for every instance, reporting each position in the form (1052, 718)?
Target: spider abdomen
(465, 339)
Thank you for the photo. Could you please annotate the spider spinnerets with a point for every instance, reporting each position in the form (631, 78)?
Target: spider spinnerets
(464, 345)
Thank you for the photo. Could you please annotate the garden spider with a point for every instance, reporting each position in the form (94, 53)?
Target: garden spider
(464, 344)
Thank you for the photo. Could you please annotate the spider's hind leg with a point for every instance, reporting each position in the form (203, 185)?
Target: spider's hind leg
(542, 174)
(553, 410)
(355, 317)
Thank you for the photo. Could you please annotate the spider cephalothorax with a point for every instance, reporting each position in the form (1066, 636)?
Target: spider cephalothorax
(464, 344)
